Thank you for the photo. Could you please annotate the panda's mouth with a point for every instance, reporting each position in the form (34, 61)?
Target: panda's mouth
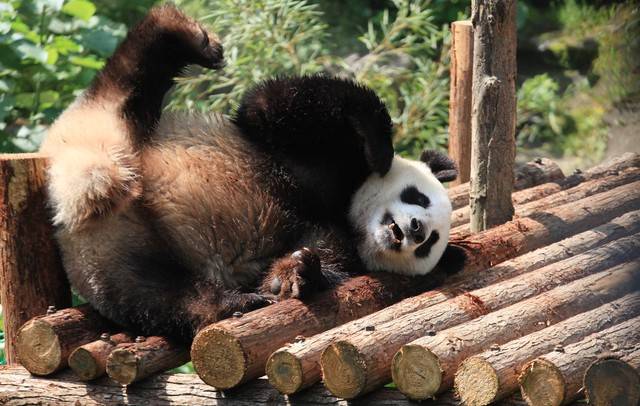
(396, 235)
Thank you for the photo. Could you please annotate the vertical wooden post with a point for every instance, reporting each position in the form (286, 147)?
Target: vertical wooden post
(460, 98)
(31, 274)
(494, 112)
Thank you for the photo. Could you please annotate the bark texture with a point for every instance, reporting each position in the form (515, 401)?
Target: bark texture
(130, 362)
(31, 274)
(89, 361)
(235, 350)
(492, 375)
(556, 378)
(44, 343)
(610, 382)
(460, 103)
(425, 367)
(19, 388)
(530, 174)
(361, 362)
(545, 227)
(610, 170)
(296, 366)
(493, 119)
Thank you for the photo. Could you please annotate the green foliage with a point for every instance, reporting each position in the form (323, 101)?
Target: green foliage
(538, 118)
(404, 60)
(49, 51)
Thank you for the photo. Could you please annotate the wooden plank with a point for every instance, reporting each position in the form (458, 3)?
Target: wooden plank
(31, 274)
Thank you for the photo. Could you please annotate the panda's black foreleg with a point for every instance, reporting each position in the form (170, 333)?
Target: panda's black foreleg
(325, 259)
(143, 67)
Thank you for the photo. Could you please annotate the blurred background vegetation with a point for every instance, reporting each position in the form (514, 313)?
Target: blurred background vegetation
(578, 64)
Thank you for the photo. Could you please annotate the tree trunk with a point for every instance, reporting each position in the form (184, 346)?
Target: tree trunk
(89, 361)
(493, 119)
(426, 366)
(460, 102)
(130, 362)
(616, 170)
(296, 366)
(610, 382)
(545, 227)
(44, 343)
(19, 388)
(528, 175)
(556, 378)
(247, 342)
(361, 362)
(491, 375)
(31, 274)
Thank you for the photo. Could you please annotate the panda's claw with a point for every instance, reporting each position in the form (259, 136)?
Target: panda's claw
(296, 276)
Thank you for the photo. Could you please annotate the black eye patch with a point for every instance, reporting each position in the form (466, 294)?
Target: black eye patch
(424, 250)
(411, 195)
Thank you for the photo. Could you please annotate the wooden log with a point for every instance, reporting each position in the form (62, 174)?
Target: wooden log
(426, 366)
(130, 362)
(617, 171)
(493, 118)
(611, 381)
(232, 351)
(249, 341)
(19, 388)
(296, 366)
(460, 98)
(89, 361)
(361, 362)
(492, 375)
(527, 175)
(556, 378)
(31, 274)
(545, 227)
(44, 343)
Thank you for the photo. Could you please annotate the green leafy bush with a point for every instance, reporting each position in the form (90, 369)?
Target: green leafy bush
(49, 51)
(404, 59)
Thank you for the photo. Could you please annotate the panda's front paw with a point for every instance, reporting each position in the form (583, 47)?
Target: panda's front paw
(296, 276)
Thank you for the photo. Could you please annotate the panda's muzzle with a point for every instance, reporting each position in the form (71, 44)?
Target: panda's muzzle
(416, 231)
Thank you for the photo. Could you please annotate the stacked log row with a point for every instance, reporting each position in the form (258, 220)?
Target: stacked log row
(426, 367)
(233, 351)
(361, 362)
(557, 377)
(565, 190)
(492, 375)
(89, 361)
(44, 343)
(296, 366)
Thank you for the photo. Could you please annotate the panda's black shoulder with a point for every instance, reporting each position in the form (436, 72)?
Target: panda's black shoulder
(308, 105)
(453, 259)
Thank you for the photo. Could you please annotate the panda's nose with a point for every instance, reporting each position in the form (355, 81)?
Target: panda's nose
(417, 231)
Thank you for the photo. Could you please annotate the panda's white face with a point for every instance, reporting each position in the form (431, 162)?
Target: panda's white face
(403, 218)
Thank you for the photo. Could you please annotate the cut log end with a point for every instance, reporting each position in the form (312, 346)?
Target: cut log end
(84, 365)
(122, 366)
(38, 348)
(417, 372)
(218, 358)
(476, 382)
(284, 372)
(343, 370)
(612, 382)
(541, 383)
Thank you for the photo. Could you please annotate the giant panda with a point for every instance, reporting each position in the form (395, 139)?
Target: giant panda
(168, 222)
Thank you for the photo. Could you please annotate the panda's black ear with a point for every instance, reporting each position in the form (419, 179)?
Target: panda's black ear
(441, 165)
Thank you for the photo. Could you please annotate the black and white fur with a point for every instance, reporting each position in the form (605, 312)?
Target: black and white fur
(168, 222)
(403, 217)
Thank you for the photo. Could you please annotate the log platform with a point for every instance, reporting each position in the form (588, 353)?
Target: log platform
(559, 282)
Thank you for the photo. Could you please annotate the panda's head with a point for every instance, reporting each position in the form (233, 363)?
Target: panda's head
(403, 217)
